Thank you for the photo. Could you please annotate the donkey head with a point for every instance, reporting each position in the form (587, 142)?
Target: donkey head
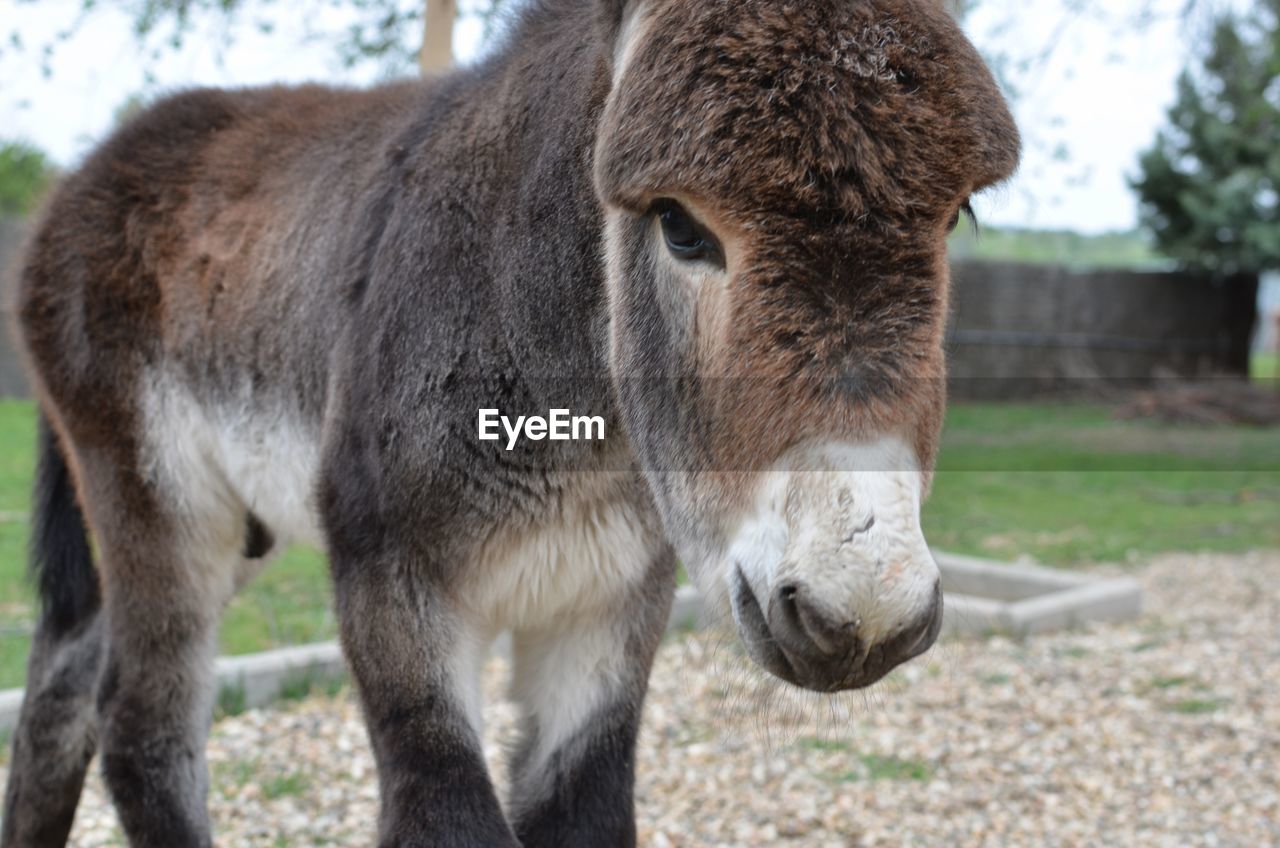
(779, 180)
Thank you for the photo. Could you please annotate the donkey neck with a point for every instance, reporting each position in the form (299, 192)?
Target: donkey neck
(542, 96)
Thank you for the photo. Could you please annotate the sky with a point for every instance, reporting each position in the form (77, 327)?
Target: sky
(1086, 109)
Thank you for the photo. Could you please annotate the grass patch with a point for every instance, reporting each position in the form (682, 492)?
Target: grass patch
(876, 767)
(1062, 248)
(302, 685)
(825, 745)
(290, 603)
(1196, 706)
(1069, 484)
(285, 786)
(235, 775)
(232, 701)
(1266, 367)
(1171, 682)
(17, 464)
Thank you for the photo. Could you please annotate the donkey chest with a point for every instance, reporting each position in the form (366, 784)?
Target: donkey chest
(578, 557)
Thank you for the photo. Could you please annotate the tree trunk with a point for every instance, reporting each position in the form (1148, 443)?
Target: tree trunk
(437, 38)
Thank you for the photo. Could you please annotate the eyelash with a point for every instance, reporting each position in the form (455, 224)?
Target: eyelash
(966, 211)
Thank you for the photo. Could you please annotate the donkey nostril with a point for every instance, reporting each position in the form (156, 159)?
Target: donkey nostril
(832, 637)
(802, 623)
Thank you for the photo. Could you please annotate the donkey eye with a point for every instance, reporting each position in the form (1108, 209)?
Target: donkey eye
(687, 240)
(681, 233)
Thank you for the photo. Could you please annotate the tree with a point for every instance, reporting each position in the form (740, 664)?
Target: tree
(1210, 185)
(25, 173)
(437, 40)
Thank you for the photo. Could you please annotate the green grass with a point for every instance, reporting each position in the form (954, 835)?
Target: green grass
(235, 774)
(1266, 367)
(876, 767)
(1063, 484)
(231, 701)
(288, 604)
(304, 684)
(17, 435)
(1069, 484)
(1171, 682)
(286, 785)
(1066, 249)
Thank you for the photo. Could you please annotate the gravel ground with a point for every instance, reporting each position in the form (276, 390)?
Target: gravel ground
(1163, 732)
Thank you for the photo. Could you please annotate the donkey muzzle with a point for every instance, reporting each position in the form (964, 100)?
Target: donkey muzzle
(801, 640)
(831, 582)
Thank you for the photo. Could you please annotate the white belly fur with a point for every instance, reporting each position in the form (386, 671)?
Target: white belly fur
(226, 458)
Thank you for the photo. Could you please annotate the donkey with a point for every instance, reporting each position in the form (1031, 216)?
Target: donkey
(269, 315)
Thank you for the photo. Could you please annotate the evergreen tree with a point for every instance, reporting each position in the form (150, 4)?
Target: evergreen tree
(1210, 186)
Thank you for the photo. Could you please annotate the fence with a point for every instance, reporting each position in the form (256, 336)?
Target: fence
(1031, 329)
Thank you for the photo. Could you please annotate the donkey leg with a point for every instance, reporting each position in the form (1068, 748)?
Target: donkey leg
(55, 737)
(57, 731)
(582, 686)
(168, 561)
(415, 663)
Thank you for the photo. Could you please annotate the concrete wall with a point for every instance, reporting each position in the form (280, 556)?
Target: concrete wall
(1015, 329)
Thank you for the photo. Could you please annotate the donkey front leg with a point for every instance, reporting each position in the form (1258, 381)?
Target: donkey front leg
(416, 666)
(582, 685)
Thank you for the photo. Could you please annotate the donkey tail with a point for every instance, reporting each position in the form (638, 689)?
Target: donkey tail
(61, 557)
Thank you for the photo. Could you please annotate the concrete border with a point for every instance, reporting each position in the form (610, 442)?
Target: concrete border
(1020, 600)
(981, 597)
(251, 680)
(258, 679)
